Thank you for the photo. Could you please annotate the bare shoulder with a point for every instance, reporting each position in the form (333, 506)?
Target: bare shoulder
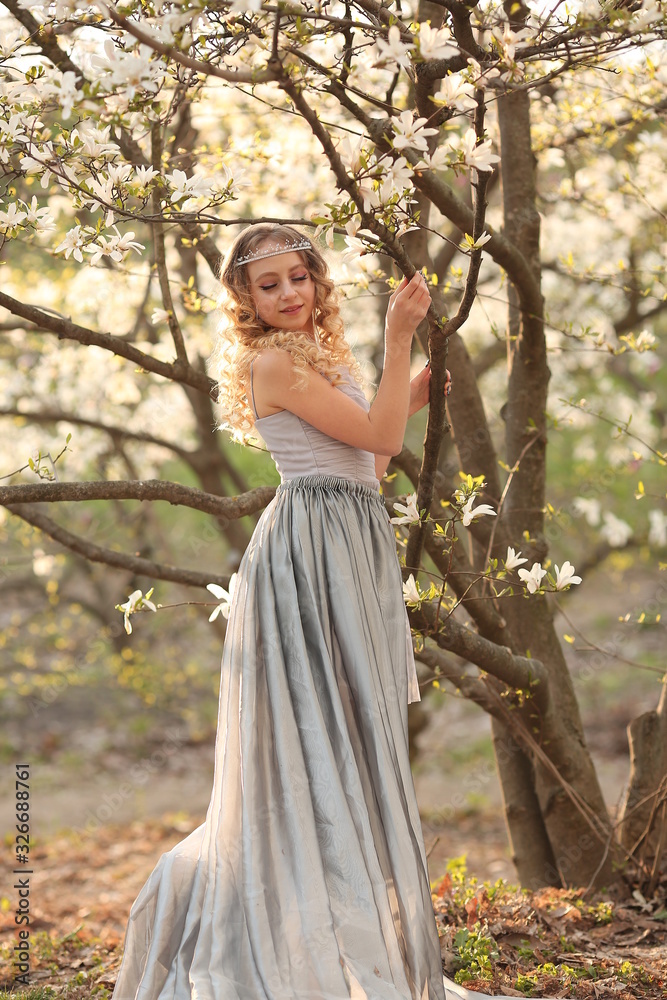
(273, 363)
(273, 381)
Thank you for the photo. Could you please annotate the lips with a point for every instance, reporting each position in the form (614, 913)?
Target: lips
(291, 311)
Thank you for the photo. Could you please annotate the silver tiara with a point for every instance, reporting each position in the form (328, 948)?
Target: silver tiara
(273, 249)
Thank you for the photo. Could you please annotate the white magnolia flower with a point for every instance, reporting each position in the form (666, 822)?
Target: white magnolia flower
(410, 513)
(94, 141)
(411, 133)
(135, 602)
(396, 178)
(119, 172)
(10, 40)
(650, 13)
(406, 227)
(37, 164)
(113, 246)
(353, 153)
(481, 240)
(469, 514)
(11, 131)
(657, 534)
(513, 559)
(615, 531)
(39, 217)
(442, 157)
(160, 316)
(468, 243)
(224, 596)
(72, 244)
(102, 189)
(456, 93)
(144, 175)
(243, 5)
(507, 40)
(394, 50)
(565, 576)
(480, 157)
(190, 187)
(436, 43)
(369, 193)
(356, 247)
(12, 217)
(533, 577)
(411, 593)
(135, 70)
(67, 94)
(590, 509)
(127, 242)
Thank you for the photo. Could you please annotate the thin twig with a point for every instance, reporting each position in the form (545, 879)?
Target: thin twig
(160, 256)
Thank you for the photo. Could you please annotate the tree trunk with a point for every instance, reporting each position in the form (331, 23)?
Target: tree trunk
(643, 813)
(528, 837)
(578, 833)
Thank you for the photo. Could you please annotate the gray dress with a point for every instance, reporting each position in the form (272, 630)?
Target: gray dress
(308, 878)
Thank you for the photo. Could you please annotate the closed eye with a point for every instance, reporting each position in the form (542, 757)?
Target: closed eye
(297, 277)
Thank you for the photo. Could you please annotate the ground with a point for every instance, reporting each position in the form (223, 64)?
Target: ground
(494, 938)
(100, 813)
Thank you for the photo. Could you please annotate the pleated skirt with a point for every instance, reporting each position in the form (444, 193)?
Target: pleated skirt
(308, 878)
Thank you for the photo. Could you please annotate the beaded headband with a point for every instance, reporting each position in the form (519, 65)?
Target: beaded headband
(273, 249)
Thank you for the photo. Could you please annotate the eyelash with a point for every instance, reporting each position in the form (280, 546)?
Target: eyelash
(267, 288)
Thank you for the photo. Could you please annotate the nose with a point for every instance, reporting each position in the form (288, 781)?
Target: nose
(287, 290)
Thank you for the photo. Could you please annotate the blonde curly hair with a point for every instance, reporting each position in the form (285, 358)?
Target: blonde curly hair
(242, 334)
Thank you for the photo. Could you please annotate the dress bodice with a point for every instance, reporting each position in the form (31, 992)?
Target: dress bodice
(299, 449)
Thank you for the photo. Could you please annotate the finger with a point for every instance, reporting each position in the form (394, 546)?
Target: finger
(400, 286)
(414, 285)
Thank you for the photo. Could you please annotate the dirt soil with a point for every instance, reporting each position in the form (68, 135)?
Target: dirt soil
(498, 939)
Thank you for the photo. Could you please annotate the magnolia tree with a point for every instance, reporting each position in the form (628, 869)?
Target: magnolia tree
(512, 153)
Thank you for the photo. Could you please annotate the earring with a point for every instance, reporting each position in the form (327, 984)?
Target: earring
(316, 334)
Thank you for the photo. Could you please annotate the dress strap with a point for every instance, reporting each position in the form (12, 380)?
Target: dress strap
(252, 392)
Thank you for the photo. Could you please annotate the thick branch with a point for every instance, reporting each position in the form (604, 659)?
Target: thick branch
(66, 329)
(436, 426)
(391, 245)
(45, 40)
(48, 45)
(208, 69)
(471, 687)
(505, 254)
(452, 563)
(519, 672)
(96, 553)
(149, 489)
(386, 16)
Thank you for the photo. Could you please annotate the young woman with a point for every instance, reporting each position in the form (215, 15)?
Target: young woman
(308, 879)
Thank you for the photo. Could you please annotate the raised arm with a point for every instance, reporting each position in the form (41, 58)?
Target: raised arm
(320, 404)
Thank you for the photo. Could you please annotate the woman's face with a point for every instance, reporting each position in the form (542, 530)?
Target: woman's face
(283, 291)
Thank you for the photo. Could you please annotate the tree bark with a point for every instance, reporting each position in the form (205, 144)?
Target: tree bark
(580, 852)
(529, 841)
(643, 813)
